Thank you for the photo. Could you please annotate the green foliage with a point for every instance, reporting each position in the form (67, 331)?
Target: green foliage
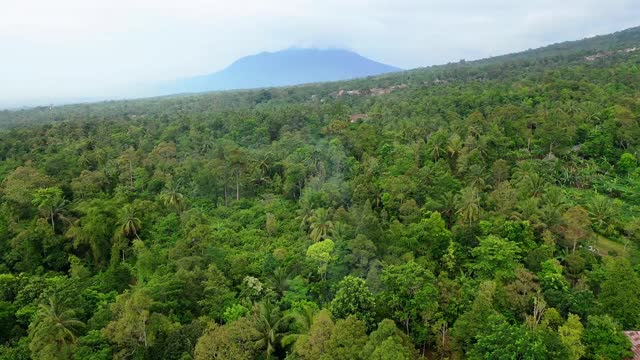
(551, 275)
(347, 339)
(321, 253)
(234, 312)
(495, 258)
(225, 342)
(354, 298)
(218, 295)
(504, 341)
(388, 342)
(93, 346)
(269, 325)
(54, 331)
(571, 336)
(134, 326)
(409, 296)
(627, 163)
(471, 324)
(620, 286)
(472, 212)
(604, 340)
(312, 345)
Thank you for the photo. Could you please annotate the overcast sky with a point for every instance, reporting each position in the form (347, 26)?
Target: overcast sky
(85, 48)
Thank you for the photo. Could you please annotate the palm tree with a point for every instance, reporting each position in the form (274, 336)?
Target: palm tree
(448, 206)
(522, 170)
(593, 112)
(260, 170)
(54, 324)
(603, 212)
(534, 184)
(57, 211)
(305, 213)
(82, 236)
(554, 205)
(51, 205)
(468, 201)
(270, 325)
(320, 224)
(130, 224)
(279, 280)
(340, 231)
(476, 176)
(454, 148)
(454, 145)
(172, 197)
(238, 164)
(303, 319)
(437, 145)
(129, 227)
(528, 209)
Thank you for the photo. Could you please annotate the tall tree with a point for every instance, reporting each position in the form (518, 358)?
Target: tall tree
(388, 342)
(468, 203)
(321, 253)
(354, 298)
(604, 339)
(130, 224)
(571, 336)
(347, 339)
(495, 257)
(51, 204)
(314, 345)
(172, 197)
(409, 294)
(134, 327)
(54, 331)
(621, 285)
(270, 326)
(228, 342)
(576, 226)
(320, 224)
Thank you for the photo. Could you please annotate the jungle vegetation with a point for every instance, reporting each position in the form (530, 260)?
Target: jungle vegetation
(481, 210)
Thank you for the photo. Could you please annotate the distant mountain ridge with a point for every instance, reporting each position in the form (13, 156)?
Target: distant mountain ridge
(281, 68)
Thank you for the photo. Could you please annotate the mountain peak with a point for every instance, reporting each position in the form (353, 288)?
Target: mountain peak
(290, 66)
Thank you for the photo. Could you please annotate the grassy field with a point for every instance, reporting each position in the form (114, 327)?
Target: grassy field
(608, 247)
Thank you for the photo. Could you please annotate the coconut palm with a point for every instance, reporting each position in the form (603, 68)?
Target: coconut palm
(303, 319)
(454, 145)
(51, 205)
(534, 184)
(270, 324)
(172, 197)
(528, 209)
(305, 213)
(279, 280)
(130, 224)
(603, 212)
(476, 176)
(468, 202)
(340, 231)
(448, 206)
(320, 224)
(53, 330)
(260, 170)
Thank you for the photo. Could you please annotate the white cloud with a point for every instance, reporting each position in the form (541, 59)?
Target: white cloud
(89, 47)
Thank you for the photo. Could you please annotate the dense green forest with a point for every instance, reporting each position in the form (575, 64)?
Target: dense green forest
(481, 210)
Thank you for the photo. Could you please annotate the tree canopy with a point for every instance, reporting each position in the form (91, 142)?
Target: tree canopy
(482, 210)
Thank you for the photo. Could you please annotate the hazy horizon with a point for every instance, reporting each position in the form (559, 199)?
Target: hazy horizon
(69, 49)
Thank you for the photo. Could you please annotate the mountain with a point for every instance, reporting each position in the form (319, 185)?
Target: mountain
(286, 67)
